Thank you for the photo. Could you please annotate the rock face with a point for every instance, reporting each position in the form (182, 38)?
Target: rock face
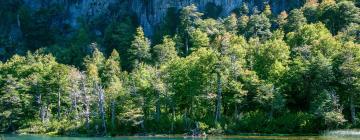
(149, 12)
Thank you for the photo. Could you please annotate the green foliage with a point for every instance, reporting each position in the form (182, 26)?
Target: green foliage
(198, 39)
(118, 36)
(337, 16)
(139, 51)
(258, 26)
(295, 20)
(257, 121)
(298, 75)
(165, 52)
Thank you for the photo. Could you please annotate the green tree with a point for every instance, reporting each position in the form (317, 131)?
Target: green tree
(349, 76)
(189, 79)
(94, 67)
(258, 26)
(243, 23)
(118, 35)
(11, 104)
(350, 33)
(282, 19)
(165, 52)
(267, 11)
(296, 19)
(337, 16)
(139, 51)
(311, 72)
(188, 19)
(112, 84)
(244, 9)
(198, 39)
(231, 24)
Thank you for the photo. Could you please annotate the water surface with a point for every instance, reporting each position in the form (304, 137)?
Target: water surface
(32, 137)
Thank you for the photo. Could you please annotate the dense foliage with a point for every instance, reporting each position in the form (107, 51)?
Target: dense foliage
(259, 72)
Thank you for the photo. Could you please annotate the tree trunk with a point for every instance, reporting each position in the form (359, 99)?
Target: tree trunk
(59, 105)
(87, 113)
(42, 113)
(86, 102)
(236, 112)
(352, 110)
(158, 111)
(186, 119)
(187, 45)
(75, 108)
(218, 98)
(101, 106)
(173, 119)
(113, 113)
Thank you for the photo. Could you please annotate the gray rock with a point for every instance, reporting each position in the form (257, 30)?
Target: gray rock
(149, 12)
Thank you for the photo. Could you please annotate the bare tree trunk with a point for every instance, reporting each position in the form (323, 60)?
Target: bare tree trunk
(352, 110)
(46, 113)
(101, 105)
(42, 113)
(218, 98)
(86, 101)
(39, 101)
(74, 104)
(87, 113)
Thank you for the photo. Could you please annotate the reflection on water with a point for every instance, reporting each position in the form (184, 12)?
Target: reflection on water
(27, 137)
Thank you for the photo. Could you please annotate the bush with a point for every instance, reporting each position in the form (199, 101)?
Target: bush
(333, 119)
(260, 122)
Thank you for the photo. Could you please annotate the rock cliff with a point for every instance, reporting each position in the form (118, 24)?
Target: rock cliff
(149, 12)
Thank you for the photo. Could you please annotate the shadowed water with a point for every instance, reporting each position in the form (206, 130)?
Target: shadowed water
(29, 137)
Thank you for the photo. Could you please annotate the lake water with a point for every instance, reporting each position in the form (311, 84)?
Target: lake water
(27, 137)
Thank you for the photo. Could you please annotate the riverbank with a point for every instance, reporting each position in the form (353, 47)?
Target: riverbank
(177, 137)
(348, 133)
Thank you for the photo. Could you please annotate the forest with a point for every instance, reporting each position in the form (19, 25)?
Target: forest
(297, 72)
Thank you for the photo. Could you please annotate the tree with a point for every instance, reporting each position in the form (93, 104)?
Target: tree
(258, 26)
(271, 59)
(188, 19)
(112, 83)
(350, 33)
(340, 15)
(230, 59)
(144, 92)
(243, 23)
(165, 52)
(244, 9)
(267, 11)
(198, 39)
(282, 19)
(311, 11)
(296, 20)
(118, 36)
(231, 24)
(139, 51)
(189, 78)
(11, 104)
(94, 67)
(349, 73)
(59, 80)
(313, 48)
